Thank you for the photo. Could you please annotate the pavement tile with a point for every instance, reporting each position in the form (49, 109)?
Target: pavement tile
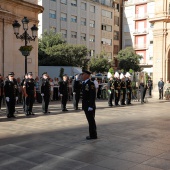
(133, 157)
(116, 164)
(158, 163)
(93, 167)
(144, 167)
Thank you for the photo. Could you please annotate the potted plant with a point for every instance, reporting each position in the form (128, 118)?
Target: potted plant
(25, 50)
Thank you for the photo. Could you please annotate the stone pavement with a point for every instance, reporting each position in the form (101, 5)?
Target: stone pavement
(135, 137)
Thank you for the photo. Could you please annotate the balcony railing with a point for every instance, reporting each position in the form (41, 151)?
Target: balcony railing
(140, 16)
(133, 2)
(140, 46)
(141, 31)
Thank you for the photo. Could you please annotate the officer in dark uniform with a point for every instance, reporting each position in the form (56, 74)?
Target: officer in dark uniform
(160, 88)
(11, 92)
(110, 86)
(128, 89)
(117, 88)
(1, 89)
(63, 89)
(30, 93)
(123, 89)
(149, 85)
(88, 103)
(45, 92)
(76, 88)
(23, 95)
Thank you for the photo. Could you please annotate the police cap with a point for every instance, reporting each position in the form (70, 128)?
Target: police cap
(30, 73)
(87, 72)
(44, 73)
(11, 74)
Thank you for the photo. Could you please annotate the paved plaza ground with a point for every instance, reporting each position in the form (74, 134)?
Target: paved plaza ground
(135, 137)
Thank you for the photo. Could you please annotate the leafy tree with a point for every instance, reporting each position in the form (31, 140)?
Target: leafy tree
(128, 59)
(99, 64)
(111, 70)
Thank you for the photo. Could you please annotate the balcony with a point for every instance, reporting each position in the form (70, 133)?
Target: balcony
(140, 47)
(136, 2)
(140, 16)
(140, 31)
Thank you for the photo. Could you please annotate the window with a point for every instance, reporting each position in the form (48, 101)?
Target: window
(107, 28)
(83, 6)
(52, 14)
(128, 43)
(92, 23)
(74, 2)
(63, 17)
(151, 25)
(151, 42)
(92, 52)
(83, 21)
(64, 2)
(64, 33)
(116, 21)
(73, 34)
(107, 14)
(116, 35)
(83, 36)
(73, 18)
(116, 6)
(106, 41)
(92, 38)
(92, 8)
(53, 0)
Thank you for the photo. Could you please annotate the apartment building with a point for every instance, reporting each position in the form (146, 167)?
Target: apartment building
(138, 31)
(93, 23)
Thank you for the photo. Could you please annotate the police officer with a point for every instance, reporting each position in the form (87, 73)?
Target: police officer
(123, 89)
(23, 95)
(11, 92)
(1, 89)
(88, 103)
(117, 88)
(45, 92)
(110, 86)
(128, 88)
(63, 89)
(30, 93)
(160, 88)
(76, 88)
(149, 85)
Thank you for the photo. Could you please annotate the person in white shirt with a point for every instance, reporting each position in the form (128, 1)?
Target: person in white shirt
(52, 88)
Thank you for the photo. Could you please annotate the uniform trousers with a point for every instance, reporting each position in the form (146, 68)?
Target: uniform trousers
(128, 96)
(76, 98)
(117, 97)
(29, 102)
(0, 101)
(45, 102)
(110, 98)
(123, 96)
(90, 115)
(64, 101)
(10, 106)
(161, 93)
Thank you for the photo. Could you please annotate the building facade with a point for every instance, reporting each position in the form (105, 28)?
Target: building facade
(11, 58)
(93, 23)
(138, 31)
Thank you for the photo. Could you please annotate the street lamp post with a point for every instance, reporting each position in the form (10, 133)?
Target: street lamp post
(25, 36)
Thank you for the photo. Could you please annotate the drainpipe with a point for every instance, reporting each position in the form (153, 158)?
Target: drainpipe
(3, 46)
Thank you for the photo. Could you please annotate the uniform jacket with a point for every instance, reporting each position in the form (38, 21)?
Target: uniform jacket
(128, 84)
(45, 86)
(30, 85)
(76, 86)
(117, 84)
(88, 95)
(1, 87)
(160, 84)
(149, 83)
(123, 85)
(10, 88)
(63, 87)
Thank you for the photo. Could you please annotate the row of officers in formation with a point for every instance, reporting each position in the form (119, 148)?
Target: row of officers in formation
(119, 88)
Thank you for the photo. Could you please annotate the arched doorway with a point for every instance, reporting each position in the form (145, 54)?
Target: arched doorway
(168, 65)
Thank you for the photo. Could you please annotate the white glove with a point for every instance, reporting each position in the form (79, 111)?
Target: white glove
(74, 92)
(90, 109)
(16, 98)
(42, 94)
(7, 99)
(61, 95)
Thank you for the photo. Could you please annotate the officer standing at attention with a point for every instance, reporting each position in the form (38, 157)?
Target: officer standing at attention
(123, 89)
(76, 88)
(128, 88)
(11, 92)
(30, 93)
(117, 88)
(63, 89)
(149, 85)
(160, 88)
(88, 103)
(45, 92)
(23, 95)
(110, 86)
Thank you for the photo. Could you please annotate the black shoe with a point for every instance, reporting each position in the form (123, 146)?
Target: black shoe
(31, 113)
(90, 138)
(8, 116)
(110, 105)
(64, 110)
(13, 116)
